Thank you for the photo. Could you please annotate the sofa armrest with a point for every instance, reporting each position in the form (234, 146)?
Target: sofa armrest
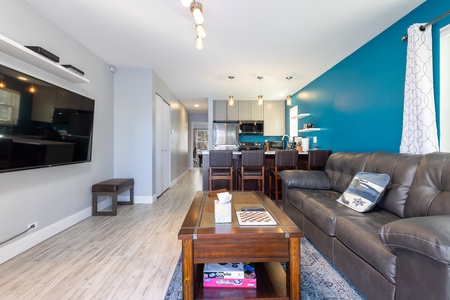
(306, 179)
(429, 236)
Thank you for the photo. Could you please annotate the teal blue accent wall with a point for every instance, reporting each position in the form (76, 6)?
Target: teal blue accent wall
(358, 103)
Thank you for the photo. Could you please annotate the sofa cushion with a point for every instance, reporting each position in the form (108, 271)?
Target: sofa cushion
(360, 234)
(401, 168)
(322, 209)
(364, 191)
(342, 167)
(430, 191)
(314, 179)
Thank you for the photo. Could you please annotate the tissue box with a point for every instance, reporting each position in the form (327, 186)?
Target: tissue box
(222, 212)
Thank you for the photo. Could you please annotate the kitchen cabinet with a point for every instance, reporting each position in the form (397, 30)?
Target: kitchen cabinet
(220, 110)
(257, 111)
(250, 110)
(245, 110)
(274, 118)
(232, 111)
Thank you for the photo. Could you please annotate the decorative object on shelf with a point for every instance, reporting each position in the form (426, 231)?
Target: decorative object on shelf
(260, 96)
(197, 12)
(231, 97)
(44, 52)
(72, 68)
(289, 96)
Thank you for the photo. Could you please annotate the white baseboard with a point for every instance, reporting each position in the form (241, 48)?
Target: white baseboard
(15, 247)
(30, 240)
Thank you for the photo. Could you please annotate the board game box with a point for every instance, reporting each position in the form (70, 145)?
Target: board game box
(222, 275)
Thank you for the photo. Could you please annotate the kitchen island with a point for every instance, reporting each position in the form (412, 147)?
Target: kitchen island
(269, 163)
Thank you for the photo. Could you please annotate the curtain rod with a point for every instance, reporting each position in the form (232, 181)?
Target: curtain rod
(424, 27)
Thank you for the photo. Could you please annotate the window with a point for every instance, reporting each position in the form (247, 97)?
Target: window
(201, 139)
(445, 90)
(9, 107)
(293, 122)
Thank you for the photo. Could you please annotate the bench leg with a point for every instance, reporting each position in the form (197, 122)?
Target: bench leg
(131, 202)
(96, 212)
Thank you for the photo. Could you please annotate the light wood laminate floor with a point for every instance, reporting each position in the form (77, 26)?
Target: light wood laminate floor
(129, 256)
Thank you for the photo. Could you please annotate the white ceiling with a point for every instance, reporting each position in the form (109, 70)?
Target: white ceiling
(246, 39)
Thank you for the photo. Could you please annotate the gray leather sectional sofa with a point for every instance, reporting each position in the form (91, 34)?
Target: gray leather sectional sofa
(398, 250)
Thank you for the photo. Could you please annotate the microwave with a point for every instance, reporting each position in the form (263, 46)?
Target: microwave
(251, 127)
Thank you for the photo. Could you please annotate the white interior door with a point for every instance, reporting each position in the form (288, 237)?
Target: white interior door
(163, 134)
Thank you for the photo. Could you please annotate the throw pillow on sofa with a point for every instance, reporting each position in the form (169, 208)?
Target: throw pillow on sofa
(365, 191)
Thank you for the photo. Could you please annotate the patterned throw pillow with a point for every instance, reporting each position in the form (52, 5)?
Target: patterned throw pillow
(365, 190)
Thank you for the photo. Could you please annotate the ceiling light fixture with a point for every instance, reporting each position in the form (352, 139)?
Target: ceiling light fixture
(199, 43)
(200, 29)
(260, 96)
(197, 12)
(231, 98)
(196, 9)
(289, 97)
(186, 3)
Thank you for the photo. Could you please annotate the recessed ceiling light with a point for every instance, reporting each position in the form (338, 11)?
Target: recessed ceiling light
(22, 78)
(196, 105)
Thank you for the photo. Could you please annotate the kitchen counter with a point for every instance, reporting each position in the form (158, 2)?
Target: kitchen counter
(269, 163)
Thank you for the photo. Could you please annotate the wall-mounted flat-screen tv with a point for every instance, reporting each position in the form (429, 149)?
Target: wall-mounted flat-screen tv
(42, 125)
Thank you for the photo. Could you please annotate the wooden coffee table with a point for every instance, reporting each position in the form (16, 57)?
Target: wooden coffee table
(204, 241)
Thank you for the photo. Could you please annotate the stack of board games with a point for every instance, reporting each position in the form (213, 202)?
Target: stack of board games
(229, 275)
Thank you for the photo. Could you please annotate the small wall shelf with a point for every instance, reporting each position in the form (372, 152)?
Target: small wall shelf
(309, 129)
(18, 51)
(301, 116)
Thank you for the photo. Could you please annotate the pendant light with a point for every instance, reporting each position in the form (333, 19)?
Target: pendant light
(186, 3)
(260, 96)
(231, 98)
(289, 97)
(196, 9)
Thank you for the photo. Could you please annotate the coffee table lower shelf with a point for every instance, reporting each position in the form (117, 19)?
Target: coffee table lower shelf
(271, 284)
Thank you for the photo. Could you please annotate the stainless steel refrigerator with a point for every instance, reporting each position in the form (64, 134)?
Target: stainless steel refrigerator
(226, 136)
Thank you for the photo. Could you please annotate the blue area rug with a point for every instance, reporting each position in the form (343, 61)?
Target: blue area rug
(320, 280)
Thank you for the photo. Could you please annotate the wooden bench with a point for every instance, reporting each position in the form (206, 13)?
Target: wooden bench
(112, 188)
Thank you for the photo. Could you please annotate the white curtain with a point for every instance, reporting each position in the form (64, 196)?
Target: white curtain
(419, 135)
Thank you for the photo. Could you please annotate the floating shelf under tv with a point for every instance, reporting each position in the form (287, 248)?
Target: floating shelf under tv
(18, 51)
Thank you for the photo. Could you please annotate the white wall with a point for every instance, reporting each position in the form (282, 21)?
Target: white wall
(55, 197)
(133, 129)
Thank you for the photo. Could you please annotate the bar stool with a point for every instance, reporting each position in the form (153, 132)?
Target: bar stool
(221, 167)
(317, 159)
(284, 160)
(252, 168)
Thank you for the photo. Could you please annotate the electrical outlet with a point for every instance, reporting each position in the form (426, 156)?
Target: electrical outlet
(315, 140)
(32, 226)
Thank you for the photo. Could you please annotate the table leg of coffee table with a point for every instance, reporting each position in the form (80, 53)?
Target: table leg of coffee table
(188, 270)
(293, 269)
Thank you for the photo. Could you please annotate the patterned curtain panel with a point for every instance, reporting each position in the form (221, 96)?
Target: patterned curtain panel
(419, 135)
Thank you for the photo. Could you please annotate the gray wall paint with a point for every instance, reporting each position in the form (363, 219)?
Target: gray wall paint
(133, 129)
(51, 195)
